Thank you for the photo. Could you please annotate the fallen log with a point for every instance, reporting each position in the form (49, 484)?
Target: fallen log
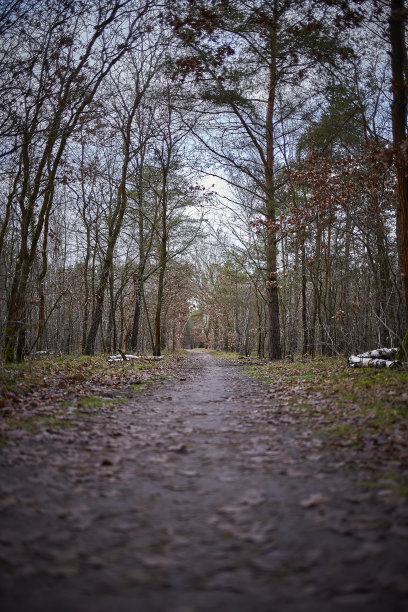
(356, 361)
(125, 357)
(378, 358)
(380, 353)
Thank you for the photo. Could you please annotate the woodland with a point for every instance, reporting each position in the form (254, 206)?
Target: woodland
(229, 177)
(216, 174)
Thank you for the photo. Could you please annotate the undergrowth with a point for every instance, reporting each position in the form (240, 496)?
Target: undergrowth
(346, 402)
(53, 391)
(379, 395)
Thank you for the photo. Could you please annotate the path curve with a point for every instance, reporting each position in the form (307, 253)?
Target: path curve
(196, 496)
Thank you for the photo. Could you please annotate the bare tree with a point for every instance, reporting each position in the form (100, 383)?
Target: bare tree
(60, 65)
(126, 96)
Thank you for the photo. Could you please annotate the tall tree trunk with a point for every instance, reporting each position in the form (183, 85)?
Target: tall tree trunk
(165, 167)
(305, 345)
(111, 339)
(85, 312)
(15, 331)
(35, 200)
(245, 343)
(115, 226)
(10, 199)
(344, 344)
(149, 326)
(270, 209)
(329, 300)
(160, 291)
(261, 333)
(41, 281)
(145, 240)
(399, 126)
(402, 307)
(97, 311)
(137, 310)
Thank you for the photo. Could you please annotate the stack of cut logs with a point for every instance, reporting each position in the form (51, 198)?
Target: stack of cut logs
(121, 356)
(379, 358)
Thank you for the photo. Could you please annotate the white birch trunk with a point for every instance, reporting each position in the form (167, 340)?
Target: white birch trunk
(380, 353)
(370, 360)
(133, 358)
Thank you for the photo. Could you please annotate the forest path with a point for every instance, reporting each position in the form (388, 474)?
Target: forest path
(199, 495)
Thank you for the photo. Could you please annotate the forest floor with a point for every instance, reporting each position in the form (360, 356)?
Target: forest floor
(190, 486)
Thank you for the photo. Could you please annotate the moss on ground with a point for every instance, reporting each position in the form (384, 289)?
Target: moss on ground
(358, 400)
(51, 391)
(225, 355)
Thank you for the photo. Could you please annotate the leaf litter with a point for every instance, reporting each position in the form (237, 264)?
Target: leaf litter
(265, 503)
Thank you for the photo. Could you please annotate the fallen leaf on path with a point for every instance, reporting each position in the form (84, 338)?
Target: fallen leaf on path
(315, 499)
(314, 457)
(253, 498)
(399, 530)
(228, 581)
(111, 461)
(159, 561)
(178, 448)
(275, 561)
(7, 502)
(64, 571)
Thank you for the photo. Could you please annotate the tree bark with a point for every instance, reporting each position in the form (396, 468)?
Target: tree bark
(116, 224)
(399, 127)
(305, 344)
(35, 200)
(162, 263)
(137, 310)
(270, 209)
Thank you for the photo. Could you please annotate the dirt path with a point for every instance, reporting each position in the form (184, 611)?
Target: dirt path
(200, 496)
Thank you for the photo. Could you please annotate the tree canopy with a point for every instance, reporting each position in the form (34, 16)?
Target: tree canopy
(214, 173)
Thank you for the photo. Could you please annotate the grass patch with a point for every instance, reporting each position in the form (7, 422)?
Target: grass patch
(402, 487)
(140, 386)
(348, 401)
(344, 431)
(92, 401)
(149, 366)
(296, 406)
(399, 482)
(363, 410)
(385, 412)
(259, 372)
(225, 354)
(396, 482)
(77, 385)
(60, 416)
